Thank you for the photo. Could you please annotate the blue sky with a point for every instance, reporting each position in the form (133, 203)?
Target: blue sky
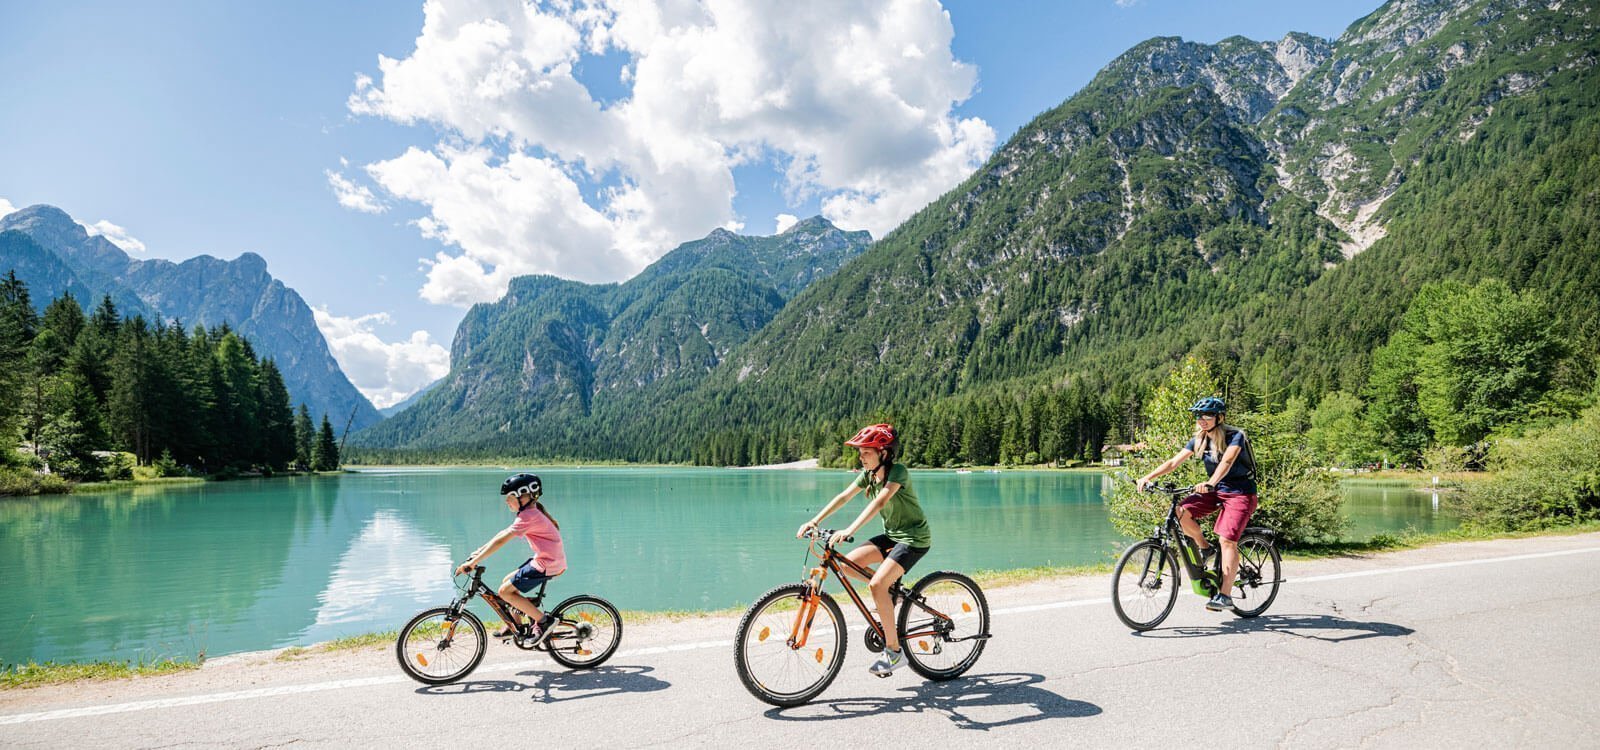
(201, 127)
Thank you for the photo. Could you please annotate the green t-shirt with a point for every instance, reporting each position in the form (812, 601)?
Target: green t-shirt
(903, 520)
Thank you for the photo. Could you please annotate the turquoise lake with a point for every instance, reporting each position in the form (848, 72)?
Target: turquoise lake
(176, 570)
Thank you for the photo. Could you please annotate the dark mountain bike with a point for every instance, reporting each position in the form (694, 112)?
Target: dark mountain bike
(786, 656)
(1144, 586)
(445, 644)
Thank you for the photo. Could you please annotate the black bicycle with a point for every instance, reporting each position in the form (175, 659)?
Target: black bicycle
(445, 644)
(1145, 585)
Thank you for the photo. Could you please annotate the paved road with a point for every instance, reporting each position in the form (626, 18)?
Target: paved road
(1490, 643)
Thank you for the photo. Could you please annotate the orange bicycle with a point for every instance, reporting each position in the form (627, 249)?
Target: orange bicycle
(791, 642)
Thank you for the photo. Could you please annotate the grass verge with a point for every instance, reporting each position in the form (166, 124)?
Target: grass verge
(34, 674)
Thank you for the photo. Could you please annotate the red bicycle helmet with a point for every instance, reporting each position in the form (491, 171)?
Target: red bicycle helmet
(873, 436)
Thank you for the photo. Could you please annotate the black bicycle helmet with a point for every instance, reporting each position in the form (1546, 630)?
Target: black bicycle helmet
(519, 481)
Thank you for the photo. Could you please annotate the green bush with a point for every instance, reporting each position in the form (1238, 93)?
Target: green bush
(118, 466)
(18, 481)
(1297, 498)
(1544, 479)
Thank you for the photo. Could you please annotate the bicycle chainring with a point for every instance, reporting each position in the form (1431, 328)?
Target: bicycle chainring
(874, 641)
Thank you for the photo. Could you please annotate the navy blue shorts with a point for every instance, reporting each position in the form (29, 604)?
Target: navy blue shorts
(528, 577)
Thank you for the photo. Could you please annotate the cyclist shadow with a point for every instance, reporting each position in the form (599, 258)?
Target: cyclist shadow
(1314, 627)
(981, 702)
(563, 686)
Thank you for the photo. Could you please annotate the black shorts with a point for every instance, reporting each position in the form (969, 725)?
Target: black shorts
(900, 552)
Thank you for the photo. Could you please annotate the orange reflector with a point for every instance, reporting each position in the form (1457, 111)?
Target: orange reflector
(965, 607)
(584, 652)
(819, 656)
(764, 633)
(423, 660)
(922, 645)
(587, 617)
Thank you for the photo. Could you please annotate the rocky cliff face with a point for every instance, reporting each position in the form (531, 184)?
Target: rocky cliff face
(202, 290)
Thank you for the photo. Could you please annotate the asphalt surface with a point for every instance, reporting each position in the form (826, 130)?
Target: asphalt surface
(1489, 643)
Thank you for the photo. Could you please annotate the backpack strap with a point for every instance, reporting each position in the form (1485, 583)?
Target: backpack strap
(1246, 451)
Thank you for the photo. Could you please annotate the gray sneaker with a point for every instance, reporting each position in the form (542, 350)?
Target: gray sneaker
(1220, 603)
(887, 663)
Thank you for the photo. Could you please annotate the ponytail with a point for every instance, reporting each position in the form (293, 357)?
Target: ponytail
(546, 513)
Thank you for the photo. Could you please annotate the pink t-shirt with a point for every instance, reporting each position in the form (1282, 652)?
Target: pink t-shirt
(543, 537)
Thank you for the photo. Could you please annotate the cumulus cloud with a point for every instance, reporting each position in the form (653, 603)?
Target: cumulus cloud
(385, 372)
(533, 173)
(785, 221)
(352, 196)
(6, 207)
(1127, 3)
(116, 235)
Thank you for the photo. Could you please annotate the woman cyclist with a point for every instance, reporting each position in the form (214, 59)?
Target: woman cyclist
(534, 523)
(906, 536)
(1230, 488)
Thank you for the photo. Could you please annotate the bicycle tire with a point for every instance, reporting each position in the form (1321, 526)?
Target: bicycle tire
(573, 622)
(1141, 588)
(959, 598)
(1260, 569)
(777, 610)
(405, 651)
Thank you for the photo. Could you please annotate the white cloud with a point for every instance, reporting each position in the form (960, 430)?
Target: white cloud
(854, 98)
(117, 235)
(352, 196)
(6, 207)
(1127, 3)
(785, 221)
(385, 372)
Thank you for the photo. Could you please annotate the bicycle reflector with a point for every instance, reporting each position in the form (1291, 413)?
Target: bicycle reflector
(423, 660)
(966, 606)
(819, 656)
(764, 633)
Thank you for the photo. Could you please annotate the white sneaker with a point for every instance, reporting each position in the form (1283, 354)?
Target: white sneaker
(887, 663)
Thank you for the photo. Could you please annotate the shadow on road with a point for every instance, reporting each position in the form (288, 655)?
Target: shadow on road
(560, 687)
(1316, 627)
(982, 702)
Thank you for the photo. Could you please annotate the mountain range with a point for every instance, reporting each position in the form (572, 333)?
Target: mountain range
(1273, 205)
(55, 255)
(552, 353)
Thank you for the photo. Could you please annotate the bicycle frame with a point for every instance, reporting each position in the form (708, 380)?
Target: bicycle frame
(831, 561)
(1170, 536)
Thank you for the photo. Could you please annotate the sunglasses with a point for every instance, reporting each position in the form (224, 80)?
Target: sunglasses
(1205, 416)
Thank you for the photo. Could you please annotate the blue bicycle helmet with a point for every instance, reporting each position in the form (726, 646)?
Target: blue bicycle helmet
(1209, 405)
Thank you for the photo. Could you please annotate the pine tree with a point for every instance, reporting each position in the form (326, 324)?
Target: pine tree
(325, 454)
(303, 433)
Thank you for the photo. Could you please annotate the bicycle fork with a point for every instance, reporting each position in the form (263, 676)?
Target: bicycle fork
(801, 632)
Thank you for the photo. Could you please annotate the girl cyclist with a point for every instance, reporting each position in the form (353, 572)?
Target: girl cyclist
(906, 536)
(534, 523)
(1231, 487)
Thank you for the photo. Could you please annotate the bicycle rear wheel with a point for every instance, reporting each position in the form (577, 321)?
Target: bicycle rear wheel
(956, 613)
(438, 647)
(790, 645)
(1260, 572)
(1145, 585)
(589, 631)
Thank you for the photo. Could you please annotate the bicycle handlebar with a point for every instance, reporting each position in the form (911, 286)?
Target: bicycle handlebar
(825, 533)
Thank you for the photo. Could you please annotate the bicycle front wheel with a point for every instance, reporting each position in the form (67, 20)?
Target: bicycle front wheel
(439, 647)
(1145, 585)
(1260, 572)
(944, 625)
(790, 645)
(589, 631)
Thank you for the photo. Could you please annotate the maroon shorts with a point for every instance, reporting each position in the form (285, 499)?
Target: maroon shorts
(1236, 511)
